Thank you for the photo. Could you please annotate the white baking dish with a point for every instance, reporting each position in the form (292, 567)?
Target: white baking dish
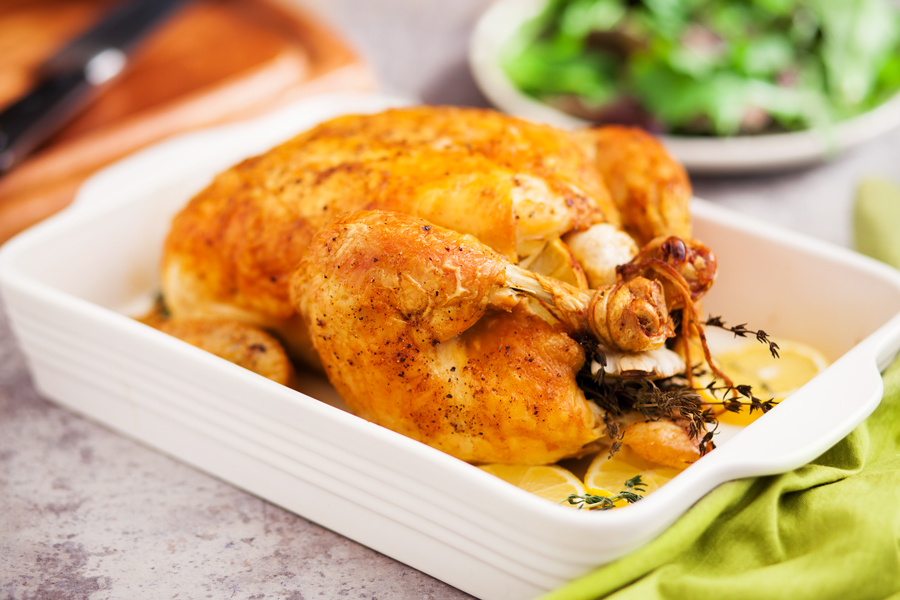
(69, 283)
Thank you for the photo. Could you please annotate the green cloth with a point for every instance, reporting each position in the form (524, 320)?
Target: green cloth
(830, 529)
(876, 220)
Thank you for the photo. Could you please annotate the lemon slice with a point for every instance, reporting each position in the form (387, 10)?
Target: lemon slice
(611, 473)
(557, 261)
(550, 482)
(769, 377)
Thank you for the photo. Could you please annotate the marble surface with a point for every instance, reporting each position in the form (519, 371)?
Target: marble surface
(88, 514)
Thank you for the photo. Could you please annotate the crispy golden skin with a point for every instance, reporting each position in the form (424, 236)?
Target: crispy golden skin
(400, 313)
(651, 190)
(663, 442)
(242, 344)
(512, 184)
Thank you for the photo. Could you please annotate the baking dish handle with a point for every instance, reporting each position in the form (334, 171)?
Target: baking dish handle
(850, 389)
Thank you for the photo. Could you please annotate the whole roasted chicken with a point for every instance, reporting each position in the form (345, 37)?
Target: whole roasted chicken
(405, 252)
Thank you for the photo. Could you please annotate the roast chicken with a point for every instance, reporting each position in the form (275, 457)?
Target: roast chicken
(392, 250)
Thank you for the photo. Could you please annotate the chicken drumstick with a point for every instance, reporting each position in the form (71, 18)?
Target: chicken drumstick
(421, 330)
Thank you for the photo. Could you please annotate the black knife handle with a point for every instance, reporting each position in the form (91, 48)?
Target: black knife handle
(36, 116)
(70, 76)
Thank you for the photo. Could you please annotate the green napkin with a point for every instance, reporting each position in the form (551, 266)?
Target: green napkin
(830, 529)
(876, 220)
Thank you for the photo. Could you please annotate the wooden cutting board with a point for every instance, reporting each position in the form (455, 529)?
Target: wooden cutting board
(216, 61)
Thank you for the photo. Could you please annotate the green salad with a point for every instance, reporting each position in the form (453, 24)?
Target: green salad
(710, 67)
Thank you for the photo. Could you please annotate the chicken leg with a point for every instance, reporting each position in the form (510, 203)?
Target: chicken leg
(421, 330)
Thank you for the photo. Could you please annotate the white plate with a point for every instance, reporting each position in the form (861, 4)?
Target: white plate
(698, 154)
(69, 282)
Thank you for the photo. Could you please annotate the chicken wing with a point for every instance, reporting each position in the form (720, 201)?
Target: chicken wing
(651, 190)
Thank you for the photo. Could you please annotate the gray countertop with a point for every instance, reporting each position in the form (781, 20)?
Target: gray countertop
(86, 513)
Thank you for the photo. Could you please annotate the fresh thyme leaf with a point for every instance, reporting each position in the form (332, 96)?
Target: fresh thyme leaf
(593, 502)
(734, 404)
(654, 400)
(615, 433)
(744, 390)
(589, 501)
(636, 483)
(707, 444)
(159, 304)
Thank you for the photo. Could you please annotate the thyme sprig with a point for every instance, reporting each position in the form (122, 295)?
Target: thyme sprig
(734, 404)
(742, 331)
(668, 398)
(593, 502)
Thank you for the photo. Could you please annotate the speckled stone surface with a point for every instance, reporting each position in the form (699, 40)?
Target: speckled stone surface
(88, 514)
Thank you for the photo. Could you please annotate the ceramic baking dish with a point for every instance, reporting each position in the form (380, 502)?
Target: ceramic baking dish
(70, 283)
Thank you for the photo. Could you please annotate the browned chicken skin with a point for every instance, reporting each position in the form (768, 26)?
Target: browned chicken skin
(236, 342)
(651, 191)
(513, 185)
(499, 382)
(401, 314)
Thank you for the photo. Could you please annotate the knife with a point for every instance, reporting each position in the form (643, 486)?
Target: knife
(70, 78)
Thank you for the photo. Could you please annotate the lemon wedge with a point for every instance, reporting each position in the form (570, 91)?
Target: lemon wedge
(607, 473)
(550, 482)
(558, 262)
(769, 377)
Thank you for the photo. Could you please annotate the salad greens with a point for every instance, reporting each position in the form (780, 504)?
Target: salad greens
(710, 67)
